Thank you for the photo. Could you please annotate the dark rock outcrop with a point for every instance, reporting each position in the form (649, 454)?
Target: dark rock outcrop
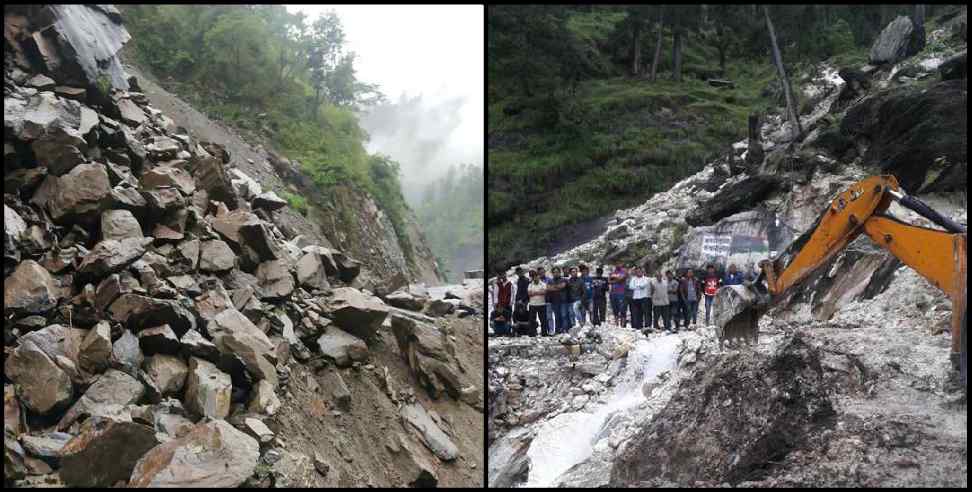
(733, 198)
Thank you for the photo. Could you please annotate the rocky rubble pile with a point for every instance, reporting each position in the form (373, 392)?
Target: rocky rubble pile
(153, 308)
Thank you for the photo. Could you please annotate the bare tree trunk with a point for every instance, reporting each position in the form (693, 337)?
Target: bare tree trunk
(636, 48)
(658, 43)
(918, 18)
(677, 55)
(784, 81)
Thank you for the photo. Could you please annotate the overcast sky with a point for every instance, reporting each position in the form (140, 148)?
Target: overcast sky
(434, 52)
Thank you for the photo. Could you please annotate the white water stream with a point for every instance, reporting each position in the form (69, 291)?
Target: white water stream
(569, 438)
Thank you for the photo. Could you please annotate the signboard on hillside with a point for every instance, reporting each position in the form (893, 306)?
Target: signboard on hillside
(714, 245)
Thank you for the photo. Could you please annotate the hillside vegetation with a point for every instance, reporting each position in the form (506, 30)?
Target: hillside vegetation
(275, 75)
(578, 127)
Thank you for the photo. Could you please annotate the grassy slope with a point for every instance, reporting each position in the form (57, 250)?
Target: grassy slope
(627, 138)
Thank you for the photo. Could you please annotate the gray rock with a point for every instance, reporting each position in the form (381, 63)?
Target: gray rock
(110, 256)
(198, 346)
(275, 280)
(119, 225)
(269, 201)
(212, 454)
(41, 82)
(167, 374)
(167, 176)
(80, 195)
(112, 390)
(896, 42)
(357, 313)
(216, 256)
(46, 447)
(234, 334)
(45, 387)
(332, 380)
(342, 347)
(208, 389)
(311, 272)
(257, 429)
(263, 399)
(95, 350)
(419, 422)
(406, 300)
(126, 355)
(440, 307)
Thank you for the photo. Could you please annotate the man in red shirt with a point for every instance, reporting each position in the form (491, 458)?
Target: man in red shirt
(710, 285)
(502, 292)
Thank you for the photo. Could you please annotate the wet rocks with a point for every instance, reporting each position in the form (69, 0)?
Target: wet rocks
(771, 400)
(342, 347)
(212, 454)
(955, 67)
(30, 289)
(356, 313)
(916, 134)
(207, 389)
(105, 452)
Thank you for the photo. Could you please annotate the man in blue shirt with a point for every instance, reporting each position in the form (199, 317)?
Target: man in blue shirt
(732, 277)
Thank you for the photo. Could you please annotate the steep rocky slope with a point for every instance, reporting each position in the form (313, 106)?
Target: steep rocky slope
(851, 383)
(169, 321)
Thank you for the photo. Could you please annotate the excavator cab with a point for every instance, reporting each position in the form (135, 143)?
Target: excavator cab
(938, 255)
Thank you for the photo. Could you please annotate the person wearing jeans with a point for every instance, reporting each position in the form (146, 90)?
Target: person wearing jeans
(690, 291)
(599, 293)
(617, 281)
(710, 286)
(659, 299)
(537, 292)
(639, 297)
(558, 288)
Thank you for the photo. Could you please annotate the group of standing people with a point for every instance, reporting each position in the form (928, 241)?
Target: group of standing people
(556, 303)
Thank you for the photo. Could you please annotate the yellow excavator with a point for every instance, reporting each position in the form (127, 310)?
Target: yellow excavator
(938, 255)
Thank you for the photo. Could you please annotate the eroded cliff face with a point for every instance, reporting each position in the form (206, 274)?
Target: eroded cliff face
(169, 320)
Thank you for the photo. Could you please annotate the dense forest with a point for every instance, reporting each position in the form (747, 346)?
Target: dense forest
(277, 75)
(594, 108)
(451, 212)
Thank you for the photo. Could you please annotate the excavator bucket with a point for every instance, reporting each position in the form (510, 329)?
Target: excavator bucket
(736, 314)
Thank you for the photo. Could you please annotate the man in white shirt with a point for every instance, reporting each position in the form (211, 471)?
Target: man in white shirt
(639, 298)
(538, 301)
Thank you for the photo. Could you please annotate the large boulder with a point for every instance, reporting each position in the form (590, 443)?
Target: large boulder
(208, 389)
(897, 41)
(918, 134)
(138, 311)
(110, 256)
(342, 347)
(276, 281)
(44, 386)
(357, 313)
(105, 452)
(167, 176)
(770, 401)
(419, 422)
(211, 176)
(733, 198)
(216, 256)
(30, 289)
(235, 335)
(212, 454)
(311, 272)
(112, 391)
(119, 225)
(405, 300)
(79, 195)
(269, 201)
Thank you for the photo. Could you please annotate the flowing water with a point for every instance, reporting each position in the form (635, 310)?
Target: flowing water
(569, 438)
